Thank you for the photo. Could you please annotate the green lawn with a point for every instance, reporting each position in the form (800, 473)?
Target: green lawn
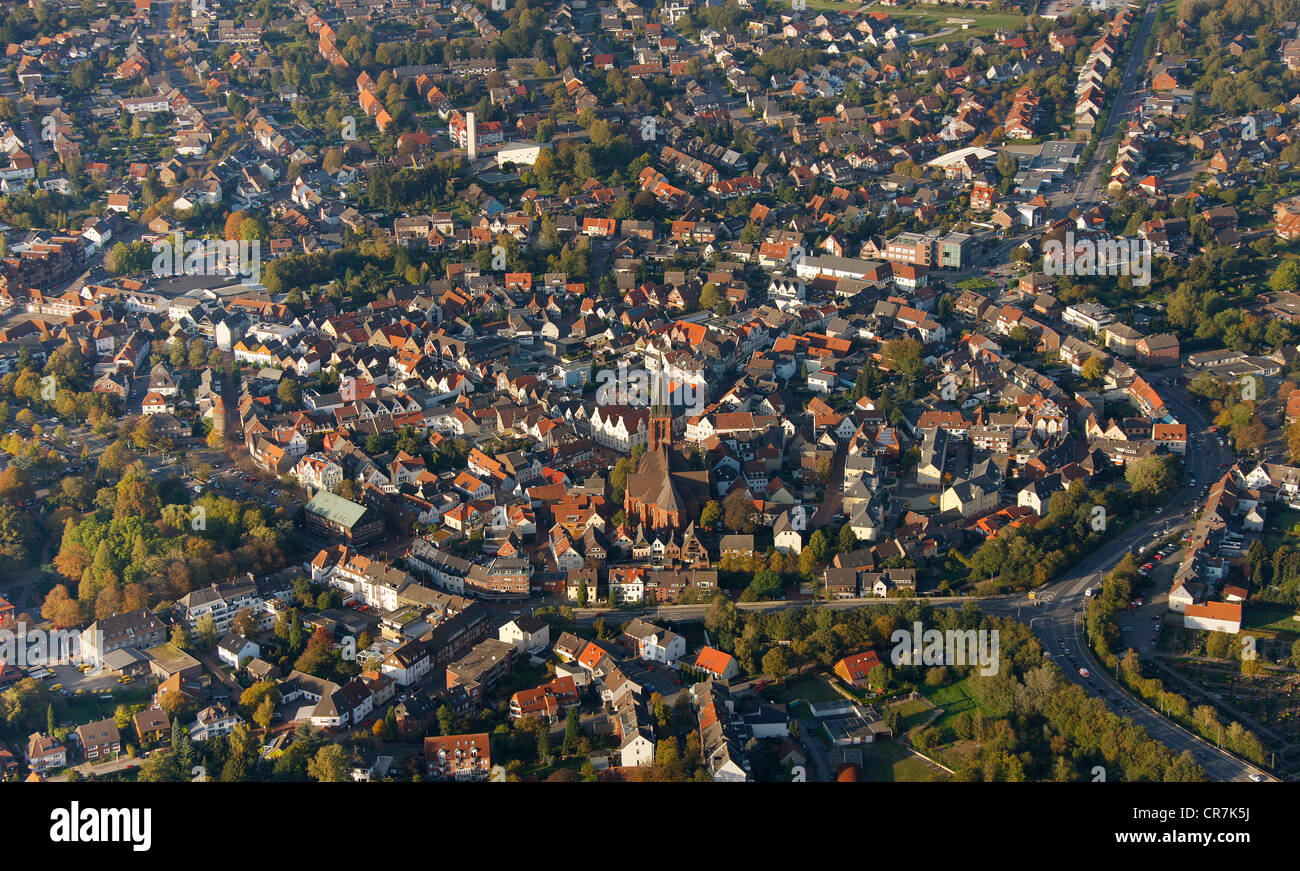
(953, 698)
(934, 18)
(914, 712)
(888, 762)
(1281, 522)
(89, 707)
(811, 687)
(1272, 618)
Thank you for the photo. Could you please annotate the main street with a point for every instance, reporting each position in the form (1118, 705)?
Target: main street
(1090, 183)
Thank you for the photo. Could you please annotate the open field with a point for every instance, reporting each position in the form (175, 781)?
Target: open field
(888, 762)
(1272, 618)
(954, 699)
(811, 687)
(932, 17)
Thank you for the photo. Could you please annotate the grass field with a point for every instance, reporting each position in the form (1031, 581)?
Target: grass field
(1272, 618)
(541, 772)
(913, 712)
(933, 19)
(811, 687)
(89, 707)
(1281, 522)
(956, 754)
(888, 762)
(953, 698)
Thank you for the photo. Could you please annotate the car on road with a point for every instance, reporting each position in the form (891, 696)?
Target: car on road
(1083, 672)
(1258, 778)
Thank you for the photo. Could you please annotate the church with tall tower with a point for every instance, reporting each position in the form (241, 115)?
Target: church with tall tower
(664, 492)
(661, 427)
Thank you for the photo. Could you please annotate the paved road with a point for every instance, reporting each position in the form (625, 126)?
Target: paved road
(1059, 622)
(1091, 183)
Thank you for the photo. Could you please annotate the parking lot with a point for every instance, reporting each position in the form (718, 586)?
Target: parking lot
(1143, 622)
(655, 677)
(72, 680)
(236, 484)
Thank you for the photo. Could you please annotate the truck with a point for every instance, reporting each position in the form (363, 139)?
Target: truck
(1089, 592)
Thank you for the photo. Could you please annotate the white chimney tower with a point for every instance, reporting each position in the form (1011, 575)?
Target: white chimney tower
(471, 135)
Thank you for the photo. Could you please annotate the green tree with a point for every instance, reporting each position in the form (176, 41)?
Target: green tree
(1093, 370)
(329, 765)
(573, 732)
(904, 356)
(1152, 477)
(205, 630)
(775, 662)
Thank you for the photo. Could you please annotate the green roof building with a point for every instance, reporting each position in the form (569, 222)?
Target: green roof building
(338, 519)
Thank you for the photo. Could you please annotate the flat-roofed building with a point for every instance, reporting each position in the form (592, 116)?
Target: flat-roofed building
(339, 519)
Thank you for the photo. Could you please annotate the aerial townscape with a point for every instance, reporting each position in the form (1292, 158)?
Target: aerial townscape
(649, 390)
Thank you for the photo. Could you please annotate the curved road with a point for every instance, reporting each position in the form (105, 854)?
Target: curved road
(1059, 622)
(1057, 617)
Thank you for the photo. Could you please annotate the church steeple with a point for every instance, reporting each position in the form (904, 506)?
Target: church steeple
(661, 427)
